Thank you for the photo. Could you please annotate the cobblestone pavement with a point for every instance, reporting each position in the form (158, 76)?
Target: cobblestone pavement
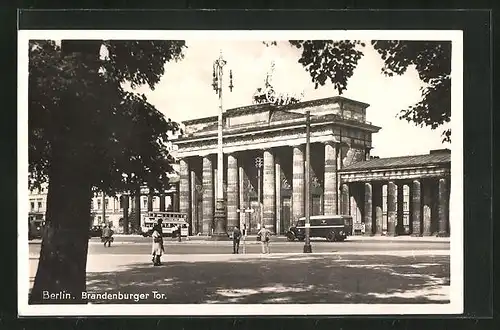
(341, 277)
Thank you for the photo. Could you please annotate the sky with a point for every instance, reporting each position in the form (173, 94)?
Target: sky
(185, 90)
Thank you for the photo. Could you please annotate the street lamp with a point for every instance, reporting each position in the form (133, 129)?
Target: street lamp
(307, 244)
(220, 203)
(259, 162)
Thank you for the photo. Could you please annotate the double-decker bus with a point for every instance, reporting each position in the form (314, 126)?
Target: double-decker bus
(170, 222)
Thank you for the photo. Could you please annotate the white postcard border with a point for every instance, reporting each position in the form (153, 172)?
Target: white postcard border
(456, 192)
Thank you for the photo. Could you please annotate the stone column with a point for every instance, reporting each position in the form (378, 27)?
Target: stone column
(399, 208)
(345, 200)
(125, 213)
(232, 192)
(277, 180)
(427, 209)
(298, 183)
(162, 202)
(368, 214)
(416, 206)
(391, 209)
(136, 223)
(338, 156)
(269, 196)
(175, 199)
(150, 200)
(443, 207)
(193, 226)
(330, 181)
(208, 195)
(184, 192)
(377, 201)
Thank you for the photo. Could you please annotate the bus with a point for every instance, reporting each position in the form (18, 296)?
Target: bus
(170, 222)
(335, 228)
(36, 224)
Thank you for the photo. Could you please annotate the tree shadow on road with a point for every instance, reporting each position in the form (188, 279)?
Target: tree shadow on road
(284, 279)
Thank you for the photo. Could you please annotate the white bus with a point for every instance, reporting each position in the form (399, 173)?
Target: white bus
(170, 223)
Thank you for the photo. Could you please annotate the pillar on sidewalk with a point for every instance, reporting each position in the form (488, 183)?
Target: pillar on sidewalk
(184, 191)
(345, 207)
(377, 202)
(427, 208)
(269, 196)
(416, 208)
(298, 183)
(391, 209)
(330, 179)
(232, 192)
(443, 208)
(277, 181)
(368, 213)
(208, 195)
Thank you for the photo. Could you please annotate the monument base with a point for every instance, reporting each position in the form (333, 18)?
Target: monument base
(307, 248)
(220, 218)
(220, 237)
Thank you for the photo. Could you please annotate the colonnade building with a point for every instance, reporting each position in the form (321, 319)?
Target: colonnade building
(390, 196)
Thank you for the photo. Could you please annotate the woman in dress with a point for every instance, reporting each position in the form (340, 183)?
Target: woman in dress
(157, 247)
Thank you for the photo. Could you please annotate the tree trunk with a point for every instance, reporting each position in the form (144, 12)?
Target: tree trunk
(61, 274)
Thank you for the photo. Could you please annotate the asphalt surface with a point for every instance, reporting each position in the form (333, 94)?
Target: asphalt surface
(197, 271)
(141, 245)
(383, 277)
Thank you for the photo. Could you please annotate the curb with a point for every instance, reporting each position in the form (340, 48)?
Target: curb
(196, 257)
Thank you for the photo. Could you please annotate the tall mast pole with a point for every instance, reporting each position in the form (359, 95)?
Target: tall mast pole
(220, 216)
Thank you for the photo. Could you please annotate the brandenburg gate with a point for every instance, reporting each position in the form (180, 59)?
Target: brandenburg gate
(392, 196)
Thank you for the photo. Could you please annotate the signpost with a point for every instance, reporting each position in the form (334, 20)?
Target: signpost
(243, 227)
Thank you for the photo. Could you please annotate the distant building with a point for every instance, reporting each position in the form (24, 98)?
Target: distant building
(390, 196)
(112, 209)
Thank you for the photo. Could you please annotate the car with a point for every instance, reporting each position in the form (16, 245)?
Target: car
(335, 228)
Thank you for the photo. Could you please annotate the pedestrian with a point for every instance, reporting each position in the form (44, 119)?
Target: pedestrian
(265, 236)
(157, 246)
(107, 235)
(236, 239)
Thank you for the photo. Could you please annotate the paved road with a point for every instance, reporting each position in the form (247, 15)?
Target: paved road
(140, 245)
(372, 270)
(369, 277)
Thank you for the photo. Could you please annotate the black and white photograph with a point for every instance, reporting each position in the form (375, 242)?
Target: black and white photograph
(240, 172)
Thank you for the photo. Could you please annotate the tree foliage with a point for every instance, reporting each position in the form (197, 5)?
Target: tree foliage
(87, 131)
(335, 61)
(119, 136)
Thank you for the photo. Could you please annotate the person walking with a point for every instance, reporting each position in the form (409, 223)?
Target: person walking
(236, 239)
(157, 246)
(265, 236)
(107, 235)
